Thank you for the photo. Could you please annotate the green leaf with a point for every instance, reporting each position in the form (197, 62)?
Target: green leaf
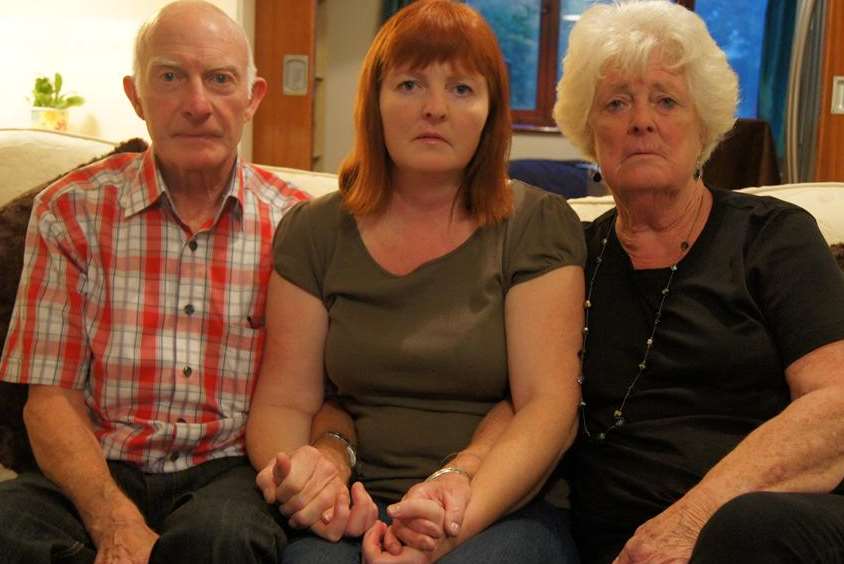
(47, 94)
(43, 86)
(71, 101)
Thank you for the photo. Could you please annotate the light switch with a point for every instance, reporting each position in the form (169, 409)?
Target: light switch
(295, 75)
(838, 94)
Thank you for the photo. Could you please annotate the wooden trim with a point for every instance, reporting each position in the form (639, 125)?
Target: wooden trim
(546, 72)
(830, 152)
(546, 84)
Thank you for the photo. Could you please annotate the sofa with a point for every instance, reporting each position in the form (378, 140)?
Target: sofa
(31, 159)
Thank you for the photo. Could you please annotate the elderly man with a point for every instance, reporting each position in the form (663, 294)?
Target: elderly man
(139, 324)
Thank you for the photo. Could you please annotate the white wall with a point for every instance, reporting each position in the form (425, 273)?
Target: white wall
(542, 146)
(90, 43)
(349, 29)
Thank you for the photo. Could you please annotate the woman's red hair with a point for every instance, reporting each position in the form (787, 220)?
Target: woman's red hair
(425, 32)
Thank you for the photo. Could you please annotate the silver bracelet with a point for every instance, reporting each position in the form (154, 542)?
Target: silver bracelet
(448, 470)
(347, 444)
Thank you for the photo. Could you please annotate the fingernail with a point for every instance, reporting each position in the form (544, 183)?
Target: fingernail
(393, 510)
(454, 528)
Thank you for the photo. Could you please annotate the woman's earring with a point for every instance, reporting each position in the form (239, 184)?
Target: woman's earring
(697, 173)
(596, 176)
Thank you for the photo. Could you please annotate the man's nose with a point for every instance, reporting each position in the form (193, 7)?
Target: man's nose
(196, 104)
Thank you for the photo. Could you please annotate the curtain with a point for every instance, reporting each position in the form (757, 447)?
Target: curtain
(773, 73)
(390, 7)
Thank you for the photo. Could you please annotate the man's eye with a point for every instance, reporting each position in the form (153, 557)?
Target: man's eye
(221, 78)
(168, 76)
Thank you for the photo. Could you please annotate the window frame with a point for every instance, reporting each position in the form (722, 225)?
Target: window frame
(539, 119)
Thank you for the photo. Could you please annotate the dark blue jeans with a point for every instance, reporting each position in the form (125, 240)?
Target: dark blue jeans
(754, 528)
(535, 534)
(209, 513)
(774, 528)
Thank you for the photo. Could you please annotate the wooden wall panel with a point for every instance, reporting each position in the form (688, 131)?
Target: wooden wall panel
(830, 161)
(283, 126)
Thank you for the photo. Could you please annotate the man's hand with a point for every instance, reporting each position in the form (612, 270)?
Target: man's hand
(298, 482)
(422, 525)
(373, 549)
(125, 544)
(669, 537)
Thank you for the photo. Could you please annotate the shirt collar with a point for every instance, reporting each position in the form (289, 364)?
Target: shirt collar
(147, 187)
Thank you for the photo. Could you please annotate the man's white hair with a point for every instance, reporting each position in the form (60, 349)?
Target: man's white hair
(142, 41)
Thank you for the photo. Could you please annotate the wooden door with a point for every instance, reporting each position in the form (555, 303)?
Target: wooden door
(283, 125)
(830, 155)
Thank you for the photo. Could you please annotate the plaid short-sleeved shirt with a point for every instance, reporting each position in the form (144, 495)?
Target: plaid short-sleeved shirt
(162, 328)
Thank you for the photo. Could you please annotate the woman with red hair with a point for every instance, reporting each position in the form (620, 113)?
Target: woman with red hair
(423, 293)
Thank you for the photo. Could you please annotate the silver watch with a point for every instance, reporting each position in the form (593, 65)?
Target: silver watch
(347, 444)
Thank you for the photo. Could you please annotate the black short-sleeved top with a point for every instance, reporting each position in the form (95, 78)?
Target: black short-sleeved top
(757, 291)
(419, 359)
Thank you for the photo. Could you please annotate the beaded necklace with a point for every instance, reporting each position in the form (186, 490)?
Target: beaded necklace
(618, 412)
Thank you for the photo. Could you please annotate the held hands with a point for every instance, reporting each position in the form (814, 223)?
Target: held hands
(309, 489)
(425, 522)
(374, 552)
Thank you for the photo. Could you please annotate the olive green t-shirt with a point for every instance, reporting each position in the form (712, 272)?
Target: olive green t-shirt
(419, 359)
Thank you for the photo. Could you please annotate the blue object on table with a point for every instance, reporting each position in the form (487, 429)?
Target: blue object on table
(572, 179)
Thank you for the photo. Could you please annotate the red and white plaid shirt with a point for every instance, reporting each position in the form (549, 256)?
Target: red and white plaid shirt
(161, 328)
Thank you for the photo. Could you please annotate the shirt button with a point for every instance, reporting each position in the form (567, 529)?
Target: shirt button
(189, 309)
(187, 371)
(193, 245)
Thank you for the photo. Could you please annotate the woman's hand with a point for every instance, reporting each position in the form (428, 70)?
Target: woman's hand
(374, 551)
(431, 511)
(669, 537)
(348, 519)
(308, 488)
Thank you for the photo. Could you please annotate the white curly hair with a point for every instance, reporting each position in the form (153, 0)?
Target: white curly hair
(624, 36)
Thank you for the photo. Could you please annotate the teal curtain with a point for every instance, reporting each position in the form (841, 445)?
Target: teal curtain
(776, 58)
(390, 7)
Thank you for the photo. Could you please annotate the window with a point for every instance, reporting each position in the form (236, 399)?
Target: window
(739, 29)
(534, 33)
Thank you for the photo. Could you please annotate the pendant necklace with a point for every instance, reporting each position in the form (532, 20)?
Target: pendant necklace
(618, 412)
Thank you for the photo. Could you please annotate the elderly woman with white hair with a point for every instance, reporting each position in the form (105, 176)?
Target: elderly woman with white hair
(713, 359)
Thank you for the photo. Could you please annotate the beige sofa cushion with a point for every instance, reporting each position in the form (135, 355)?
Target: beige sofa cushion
(29, 157)
(824, 200)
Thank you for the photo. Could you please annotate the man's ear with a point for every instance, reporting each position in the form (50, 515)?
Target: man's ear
(259, 90)
(132, 93)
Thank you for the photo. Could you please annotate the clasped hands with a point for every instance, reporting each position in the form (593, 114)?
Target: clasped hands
(310, 489)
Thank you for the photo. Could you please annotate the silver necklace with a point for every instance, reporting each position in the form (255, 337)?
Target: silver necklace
(618, 412)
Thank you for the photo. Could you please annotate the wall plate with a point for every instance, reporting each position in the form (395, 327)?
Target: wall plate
(294, 74)
(838, 94)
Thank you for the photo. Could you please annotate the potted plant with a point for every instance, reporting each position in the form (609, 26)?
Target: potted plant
(49, 105)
